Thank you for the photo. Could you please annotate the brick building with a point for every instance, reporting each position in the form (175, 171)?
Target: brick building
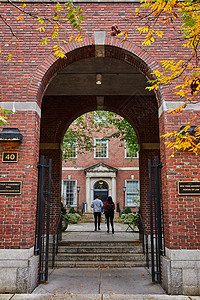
(107, 171)
(48, 93)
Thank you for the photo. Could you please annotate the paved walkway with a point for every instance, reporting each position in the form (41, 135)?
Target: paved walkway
(85, 232)
(109, 281)
(93, 297)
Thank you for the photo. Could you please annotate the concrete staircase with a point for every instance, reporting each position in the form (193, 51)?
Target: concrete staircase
(100, 254)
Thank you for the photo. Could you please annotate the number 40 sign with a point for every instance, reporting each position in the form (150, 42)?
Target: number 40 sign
(10, 157)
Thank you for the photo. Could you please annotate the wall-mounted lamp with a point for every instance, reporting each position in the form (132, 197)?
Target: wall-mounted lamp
(98, 79)
(10, 138)
(124, 198)
(190, 131)
(78, 190)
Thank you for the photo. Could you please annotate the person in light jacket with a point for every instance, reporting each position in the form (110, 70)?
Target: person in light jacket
(97, 206)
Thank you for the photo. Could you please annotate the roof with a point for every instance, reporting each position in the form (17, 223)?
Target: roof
(100, 167)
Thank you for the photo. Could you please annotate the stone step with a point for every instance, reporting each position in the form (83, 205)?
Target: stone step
(107, 244)
(100, 249)
(99, 257)
(88, 254)
(99, 264)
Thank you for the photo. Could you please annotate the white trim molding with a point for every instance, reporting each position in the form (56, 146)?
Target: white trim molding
(21, 106)
(169, 105)
(119, 168)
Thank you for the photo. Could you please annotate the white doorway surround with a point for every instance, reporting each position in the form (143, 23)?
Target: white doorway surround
(97, 172)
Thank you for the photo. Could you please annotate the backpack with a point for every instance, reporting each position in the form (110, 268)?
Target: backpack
(110, 207)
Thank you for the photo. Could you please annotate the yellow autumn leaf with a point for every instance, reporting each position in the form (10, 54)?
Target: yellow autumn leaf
(20, 18)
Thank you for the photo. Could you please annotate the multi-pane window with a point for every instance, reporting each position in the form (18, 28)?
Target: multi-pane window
(100, 148)
(128, 154)
(69, 193)
(71, 149)
(132, 193)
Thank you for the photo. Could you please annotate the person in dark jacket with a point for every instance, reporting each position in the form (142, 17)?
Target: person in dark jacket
(109, 212)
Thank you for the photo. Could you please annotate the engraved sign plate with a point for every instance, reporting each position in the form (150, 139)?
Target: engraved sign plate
(189, 188)
(10, 157)
(10, 187)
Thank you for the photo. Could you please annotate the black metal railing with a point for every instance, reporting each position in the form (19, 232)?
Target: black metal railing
(156, 219)
(145, 240)
(41, 246)
(83, 208)
(119, 209)
(57, 237)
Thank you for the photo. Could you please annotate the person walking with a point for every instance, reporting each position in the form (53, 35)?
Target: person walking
(97, 206)
(109, 211)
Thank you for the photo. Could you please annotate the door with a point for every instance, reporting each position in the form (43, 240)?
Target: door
(101, 189)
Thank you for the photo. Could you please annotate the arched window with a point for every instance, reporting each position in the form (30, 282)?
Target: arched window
(100, 185)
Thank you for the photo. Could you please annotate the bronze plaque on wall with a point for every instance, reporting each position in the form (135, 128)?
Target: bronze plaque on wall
(10, 187)
(10, 157)
(189, 188)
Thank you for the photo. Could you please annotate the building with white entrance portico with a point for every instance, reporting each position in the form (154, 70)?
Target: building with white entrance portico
(113, 174)
(100, 180)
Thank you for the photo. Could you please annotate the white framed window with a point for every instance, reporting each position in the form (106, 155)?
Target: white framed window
(69, 192)
(128, 153)
(100, 148)
(71, 149)
(132, 192)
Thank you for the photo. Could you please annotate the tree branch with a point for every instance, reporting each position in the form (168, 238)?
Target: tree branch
(10, 28)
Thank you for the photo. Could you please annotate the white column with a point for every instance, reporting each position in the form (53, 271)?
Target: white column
(114, 189)
(88, 200)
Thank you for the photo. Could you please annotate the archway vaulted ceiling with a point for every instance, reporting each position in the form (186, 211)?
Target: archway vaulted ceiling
(73, 91)
(79, 78)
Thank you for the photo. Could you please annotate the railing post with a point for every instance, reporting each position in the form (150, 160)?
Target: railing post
(53, 252)
(57, 236)
(151, 222)
(147, 252)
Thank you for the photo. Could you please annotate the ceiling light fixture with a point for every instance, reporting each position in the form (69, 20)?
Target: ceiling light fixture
(98, 79)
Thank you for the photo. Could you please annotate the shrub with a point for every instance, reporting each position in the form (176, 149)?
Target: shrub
(72, 218)
(72, 210)
(133, 218)
(127, 210)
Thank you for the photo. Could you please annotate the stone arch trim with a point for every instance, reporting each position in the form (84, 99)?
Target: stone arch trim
(114, 48)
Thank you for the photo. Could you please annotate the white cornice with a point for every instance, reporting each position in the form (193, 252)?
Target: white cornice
(21, 106)
(119, 168)
(169, 105)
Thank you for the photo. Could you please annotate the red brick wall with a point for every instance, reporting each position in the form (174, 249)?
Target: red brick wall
(182, 213)
(27, 82)
(18, 212)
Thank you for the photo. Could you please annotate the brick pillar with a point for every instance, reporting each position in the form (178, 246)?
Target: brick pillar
(181, 265)
(19, 266)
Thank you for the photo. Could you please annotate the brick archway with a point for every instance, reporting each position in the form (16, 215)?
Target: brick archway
(126, 51)
(141, 111)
